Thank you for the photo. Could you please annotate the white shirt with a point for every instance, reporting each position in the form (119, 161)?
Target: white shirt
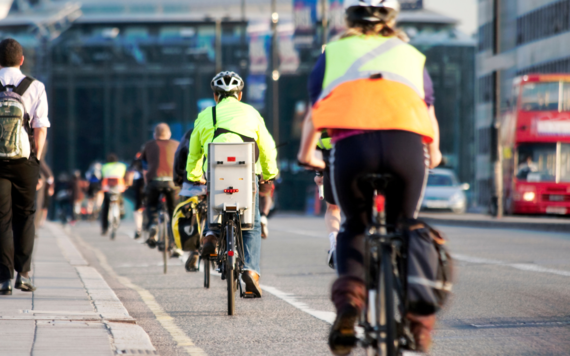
(35, 98)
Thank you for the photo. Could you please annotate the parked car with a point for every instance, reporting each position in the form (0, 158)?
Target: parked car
(443, 192)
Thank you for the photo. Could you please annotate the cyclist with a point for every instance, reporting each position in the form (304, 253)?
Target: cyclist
(235, 122)
(266, 192)
(333, 214)
(372, 101)
(135, 178)
(94, 199)
(159, 157)
(113, 174)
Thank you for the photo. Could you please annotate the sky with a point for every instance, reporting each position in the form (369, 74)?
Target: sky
(463, 10)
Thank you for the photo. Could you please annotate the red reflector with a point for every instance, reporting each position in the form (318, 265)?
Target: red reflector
(231, 191)
(230, 253)
(231, 159)
(380, 202)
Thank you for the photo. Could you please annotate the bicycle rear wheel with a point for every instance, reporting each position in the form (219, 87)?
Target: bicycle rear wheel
(230, 271)
(164, 237)
(206, 272)
(385, 305)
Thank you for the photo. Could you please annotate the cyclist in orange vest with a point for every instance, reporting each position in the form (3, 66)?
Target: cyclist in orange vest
(373, 104)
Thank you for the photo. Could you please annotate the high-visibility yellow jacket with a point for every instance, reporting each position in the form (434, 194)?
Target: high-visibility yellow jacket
(373, 83)
(113, 174)
(241, 119)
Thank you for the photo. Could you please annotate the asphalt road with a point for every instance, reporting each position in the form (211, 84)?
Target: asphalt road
(511, 295)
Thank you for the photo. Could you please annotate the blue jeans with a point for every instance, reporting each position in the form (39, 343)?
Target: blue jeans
(251, 240)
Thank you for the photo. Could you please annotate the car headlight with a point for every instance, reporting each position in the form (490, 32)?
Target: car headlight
(529, 196)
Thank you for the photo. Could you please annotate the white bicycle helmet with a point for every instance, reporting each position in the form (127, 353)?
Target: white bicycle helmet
(227, 83)
(371, 10)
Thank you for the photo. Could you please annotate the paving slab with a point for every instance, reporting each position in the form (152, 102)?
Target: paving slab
(73, 310)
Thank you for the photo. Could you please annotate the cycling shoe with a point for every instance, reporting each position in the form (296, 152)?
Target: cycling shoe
(342, 337)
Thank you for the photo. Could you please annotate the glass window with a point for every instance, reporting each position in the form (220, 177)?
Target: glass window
(537, 162)
(566, 96)
(441, 180)
(565, 163)
(540, 96)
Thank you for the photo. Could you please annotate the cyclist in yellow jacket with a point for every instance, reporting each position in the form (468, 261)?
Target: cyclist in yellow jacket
(234, 121)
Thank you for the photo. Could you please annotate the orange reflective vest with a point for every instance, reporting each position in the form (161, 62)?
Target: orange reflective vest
(373, 83)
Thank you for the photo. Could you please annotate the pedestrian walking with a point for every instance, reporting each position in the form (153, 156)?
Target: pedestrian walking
(23, 124)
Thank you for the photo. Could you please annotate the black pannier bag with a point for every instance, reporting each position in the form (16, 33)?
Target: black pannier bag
(430, 268)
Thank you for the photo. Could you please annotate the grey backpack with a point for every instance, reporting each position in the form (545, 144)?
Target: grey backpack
(16, 135)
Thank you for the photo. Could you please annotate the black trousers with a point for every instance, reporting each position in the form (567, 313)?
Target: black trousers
(153, 191)
(399, 153)
(18, 182)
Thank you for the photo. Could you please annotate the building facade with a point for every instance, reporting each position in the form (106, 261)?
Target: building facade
(516, 37)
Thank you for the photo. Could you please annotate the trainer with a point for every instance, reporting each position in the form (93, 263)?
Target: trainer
(19, 171)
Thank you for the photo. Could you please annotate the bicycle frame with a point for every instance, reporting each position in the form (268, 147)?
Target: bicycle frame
(380, 242)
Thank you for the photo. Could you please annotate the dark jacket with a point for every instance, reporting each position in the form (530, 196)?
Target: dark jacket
(180, 157)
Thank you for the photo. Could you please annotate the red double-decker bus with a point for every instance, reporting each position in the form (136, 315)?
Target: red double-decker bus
(535, 136)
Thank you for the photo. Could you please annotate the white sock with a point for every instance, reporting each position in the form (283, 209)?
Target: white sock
(332, 240)
(138, 215)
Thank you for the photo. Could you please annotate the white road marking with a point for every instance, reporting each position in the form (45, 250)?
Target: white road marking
(291, 299)
(167, 322)
(520, 266)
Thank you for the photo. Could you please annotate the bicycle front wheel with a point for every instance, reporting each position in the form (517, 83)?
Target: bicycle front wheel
(385, 305)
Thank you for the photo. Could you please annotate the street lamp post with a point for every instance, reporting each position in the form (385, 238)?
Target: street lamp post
(324, 22)
(275, 70)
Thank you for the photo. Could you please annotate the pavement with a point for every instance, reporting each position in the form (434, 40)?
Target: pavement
(537, 223)
(72, 312)
(510, 297)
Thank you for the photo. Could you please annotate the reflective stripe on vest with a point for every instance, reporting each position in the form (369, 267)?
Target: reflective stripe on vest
(373, 83)
(361, 57)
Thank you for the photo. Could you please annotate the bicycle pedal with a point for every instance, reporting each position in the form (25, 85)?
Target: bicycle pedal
(249, 295)
(213, 255)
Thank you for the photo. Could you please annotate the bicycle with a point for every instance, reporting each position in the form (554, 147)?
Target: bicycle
(199, 216)
(114, 214)
(230, 261)
(163, 236)
(386, 331)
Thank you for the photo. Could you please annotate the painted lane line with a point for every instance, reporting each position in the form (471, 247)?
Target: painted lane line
(520, 266)
(522, 324)
(167, 322)
(325, 316)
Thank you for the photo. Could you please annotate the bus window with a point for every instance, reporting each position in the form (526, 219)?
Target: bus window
(565, 163)
(566, 96)
(537, 162)
(540, 96)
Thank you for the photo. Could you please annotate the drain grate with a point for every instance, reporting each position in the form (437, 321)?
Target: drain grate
(136, 352)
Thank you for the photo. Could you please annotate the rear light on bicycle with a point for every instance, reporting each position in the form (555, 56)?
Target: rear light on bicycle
(380, 202)
(231, 191)
(231, 159)
(231, 253)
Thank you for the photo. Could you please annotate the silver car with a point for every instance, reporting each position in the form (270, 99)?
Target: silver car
(443, 192)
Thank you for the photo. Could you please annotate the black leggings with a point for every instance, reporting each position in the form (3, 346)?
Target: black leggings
(400, 153)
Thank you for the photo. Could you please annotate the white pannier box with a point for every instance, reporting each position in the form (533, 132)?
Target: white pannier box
(231, 182)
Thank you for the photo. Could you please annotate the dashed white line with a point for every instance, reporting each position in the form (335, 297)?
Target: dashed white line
(520, 266)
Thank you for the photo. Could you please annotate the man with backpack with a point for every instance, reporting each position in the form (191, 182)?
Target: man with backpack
(23, 130)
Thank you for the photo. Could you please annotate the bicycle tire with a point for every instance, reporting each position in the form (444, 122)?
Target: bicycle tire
(386, 308)
(230, 275)
(231, 290)
(164, 236)
(206, 272)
